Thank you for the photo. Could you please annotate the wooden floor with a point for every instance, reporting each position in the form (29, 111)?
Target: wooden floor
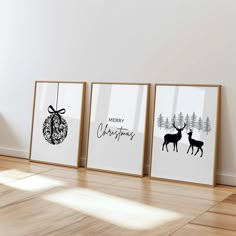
(37, 199)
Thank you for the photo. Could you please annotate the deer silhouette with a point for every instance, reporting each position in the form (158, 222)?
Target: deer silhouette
(173, 138)
(194, 143)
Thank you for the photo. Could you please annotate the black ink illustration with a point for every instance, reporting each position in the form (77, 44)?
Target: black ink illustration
(207, 126)
(187, 122)
(173, 138)
(166, 124)
(195, 143)
(192, 122)
(199, 125)
(173, 121)
(160, 121)
(117, 133)
(55, 127)
(180, 119)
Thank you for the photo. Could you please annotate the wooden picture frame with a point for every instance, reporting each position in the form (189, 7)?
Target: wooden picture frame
(113, 107)
(57, 123)
(185, 133)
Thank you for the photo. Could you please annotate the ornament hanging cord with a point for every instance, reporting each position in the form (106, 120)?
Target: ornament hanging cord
(57, 112)
(61, 111)
(56, 117)
(57, 96)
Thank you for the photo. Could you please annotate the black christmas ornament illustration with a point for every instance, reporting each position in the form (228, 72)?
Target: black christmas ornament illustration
(55, 127)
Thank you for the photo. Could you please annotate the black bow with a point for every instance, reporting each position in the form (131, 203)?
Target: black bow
(58, 113)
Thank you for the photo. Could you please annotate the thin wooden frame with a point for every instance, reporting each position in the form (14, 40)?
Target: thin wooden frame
(145, 131)
(216, 138)
(82, 113)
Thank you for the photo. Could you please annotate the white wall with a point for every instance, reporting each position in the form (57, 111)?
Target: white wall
(165, 41)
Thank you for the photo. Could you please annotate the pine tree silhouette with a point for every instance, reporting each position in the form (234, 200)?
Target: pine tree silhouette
(160, 121)
(193, 121)
(180, 119)
(207, 126)
(187, 122)
(166, 124)
(173, 121)
(199, 125)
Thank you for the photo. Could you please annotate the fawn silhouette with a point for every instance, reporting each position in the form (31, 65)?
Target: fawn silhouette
(173, 138)
(194, 143)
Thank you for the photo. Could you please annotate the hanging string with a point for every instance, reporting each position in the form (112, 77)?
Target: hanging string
(55, 126)
(52, 110)
(57, 95)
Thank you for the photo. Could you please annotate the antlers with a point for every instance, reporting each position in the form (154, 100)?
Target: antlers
(180, 128)
(184, 126)
(174, 126)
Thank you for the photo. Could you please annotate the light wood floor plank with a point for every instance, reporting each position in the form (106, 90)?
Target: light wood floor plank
(185, 205)
(224, 208)
(231, 199)
(44, 217)
(198, 230)
(35, 217)
(225, 188)
(25, 188)
(217, 221)
(99, 228)
(25, 166)
(85, 175)
(38, 199)
(177, 189)
(228, 206)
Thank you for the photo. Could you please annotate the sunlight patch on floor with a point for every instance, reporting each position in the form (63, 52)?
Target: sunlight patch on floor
(12, 174)
(115, 210)
(35, 183)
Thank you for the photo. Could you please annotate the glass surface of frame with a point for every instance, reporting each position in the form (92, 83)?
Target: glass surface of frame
(117, 133)
(57, 122)
(185, 133)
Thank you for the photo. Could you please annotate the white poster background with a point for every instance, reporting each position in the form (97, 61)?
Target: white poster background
(179, 165)
(119, 101)
(70, 98)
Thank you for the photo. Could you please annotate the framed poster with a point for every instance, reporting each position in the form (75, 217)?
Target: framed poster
(57, 122)
(185, 133)
(117, 131)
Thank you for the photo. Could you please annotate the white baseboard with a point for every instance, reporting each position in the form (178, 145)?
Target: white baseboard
(226, 179)
(5, 151)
